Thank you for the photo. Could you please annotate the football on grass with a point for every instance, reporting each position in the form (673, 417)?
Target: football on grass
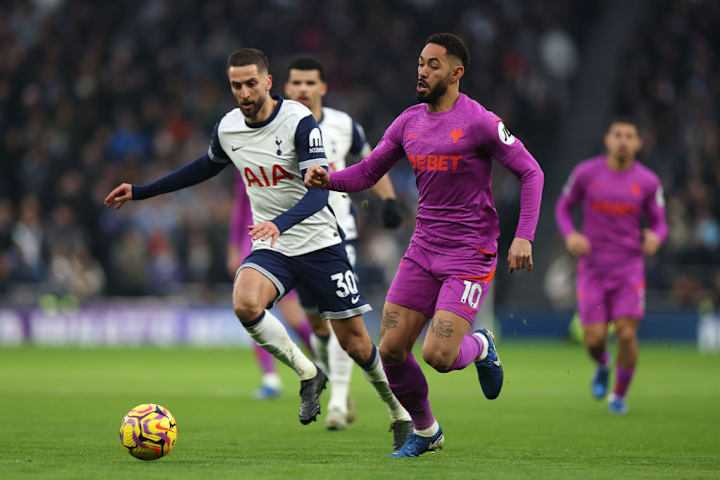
(148, 431)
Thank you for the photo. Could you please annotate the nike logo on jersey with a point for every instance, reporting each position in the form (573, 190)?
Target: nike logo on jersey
(355, 299)
(236, 148)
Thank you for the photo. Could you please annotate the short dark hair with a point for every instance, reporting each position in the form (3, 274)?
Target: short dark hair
(454, 46)
(307, 63)
(249, 56)
(624, 118)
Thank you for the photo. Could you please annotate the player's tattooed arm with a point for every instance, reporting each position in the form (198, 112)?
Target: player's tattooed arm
(390, 319)
(441, 328)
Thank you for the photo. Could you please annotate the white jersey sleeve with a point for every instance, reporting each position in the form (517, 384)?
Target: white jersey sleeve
(342, 136)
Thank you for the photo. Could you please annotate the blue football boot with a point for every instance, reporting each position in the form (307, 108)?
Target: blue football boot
(616, 405)
(266, 392)
(489, 370)
(599, 385)
(415, 445)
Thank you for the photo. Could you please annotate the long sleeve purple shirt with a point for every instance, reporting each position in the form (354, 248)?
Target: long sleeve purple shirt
(451, 153)
(613, 203)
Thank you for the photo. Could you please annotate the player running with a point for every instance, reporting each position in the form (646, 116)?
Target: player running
(296, 238)
(615, 191)
(239, 247)
(447, 269)
(343, 137)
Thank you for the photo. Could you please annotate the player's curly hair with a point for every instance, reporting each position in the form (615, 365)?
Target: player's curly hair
(454, 46)
(249, 56)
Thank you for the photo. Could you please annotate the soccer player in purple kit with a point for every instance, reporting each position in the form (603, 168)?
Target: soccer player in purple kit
(615, 191)
(450, 141)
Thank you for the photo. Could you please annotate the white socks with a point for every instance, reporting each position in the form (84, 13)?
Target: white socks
(340, 365)
(376, 375)
(270, 334)
(272, 380)
(485, 343)
(429, 432)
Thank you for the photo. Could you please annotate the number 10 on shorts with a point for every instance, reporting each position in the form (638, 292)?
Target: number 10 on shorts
(472, 294)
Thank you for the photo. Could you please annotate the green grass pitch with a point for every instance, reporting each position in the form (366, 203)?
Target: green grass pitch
(60, 412)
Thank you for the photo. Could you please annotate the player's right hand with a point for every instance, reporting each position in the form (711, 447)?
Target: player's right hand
(316, 176)
(577, 244)
(119, 195)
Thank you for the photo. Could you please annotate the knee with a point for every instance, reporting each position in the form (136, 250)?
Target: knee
(440, 360)
(594, 341)
(246, 309)
(390, 353)
(357, 347)
(625, 335)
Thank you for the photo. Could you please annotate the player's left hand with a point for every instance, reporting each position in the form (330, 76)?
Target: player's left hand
(520, 255)
(650, 242)
(392, 214)
(264, 230)
(316, 176)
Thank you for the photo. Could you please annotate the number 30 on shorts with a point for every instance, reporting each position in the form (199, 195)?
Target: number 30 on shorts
(472, 294)
(346, 283)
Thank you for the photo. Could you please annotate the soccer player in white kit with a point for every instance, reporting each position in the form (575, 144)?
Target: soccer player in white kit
(296, 238)
(342, 137)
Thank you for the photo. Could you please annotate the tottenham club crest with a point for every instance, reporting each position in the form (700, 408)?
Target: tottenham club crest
(278, 141)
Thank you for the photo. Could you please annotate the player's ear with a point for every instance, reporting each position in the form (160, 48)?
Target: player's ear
(269, 83)
(323, 88)
(458, 72)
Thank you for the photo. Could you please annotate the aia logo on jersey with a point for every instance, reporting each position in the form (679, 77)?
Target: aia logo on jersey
(263, 179)
(315, 141)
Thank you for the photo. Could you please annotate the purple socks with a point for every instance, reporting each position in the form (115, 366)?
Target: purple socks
(410, 387)
(470, 348)
(623, 377)
(265, 359)
(304, 332)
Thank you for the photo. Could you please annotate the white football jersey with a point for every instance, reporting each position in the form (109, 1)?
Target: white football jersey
(270, 156)
(342, 135)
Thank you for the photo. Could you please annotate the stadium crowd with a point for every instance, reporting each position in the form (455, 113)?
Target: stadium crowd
(671, 81)
(94, 93)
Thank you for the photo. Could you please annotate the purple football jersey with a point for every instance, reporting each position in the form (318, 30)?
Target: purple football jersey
(613, 203)
(451, 153)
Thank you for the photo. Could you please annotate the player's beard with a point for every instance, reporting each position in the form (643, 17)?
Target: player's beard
(252, 113)
(434, 93)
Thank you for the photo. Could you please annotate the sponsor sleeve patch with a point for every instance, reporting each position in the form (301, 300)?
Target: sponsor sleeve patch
(504, 134)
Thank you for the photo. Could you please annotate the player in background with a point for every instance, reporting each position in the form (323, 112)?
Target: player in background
(296, 238)
(615, 191)
(239, 247)
(450, 141)
(343, 137)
